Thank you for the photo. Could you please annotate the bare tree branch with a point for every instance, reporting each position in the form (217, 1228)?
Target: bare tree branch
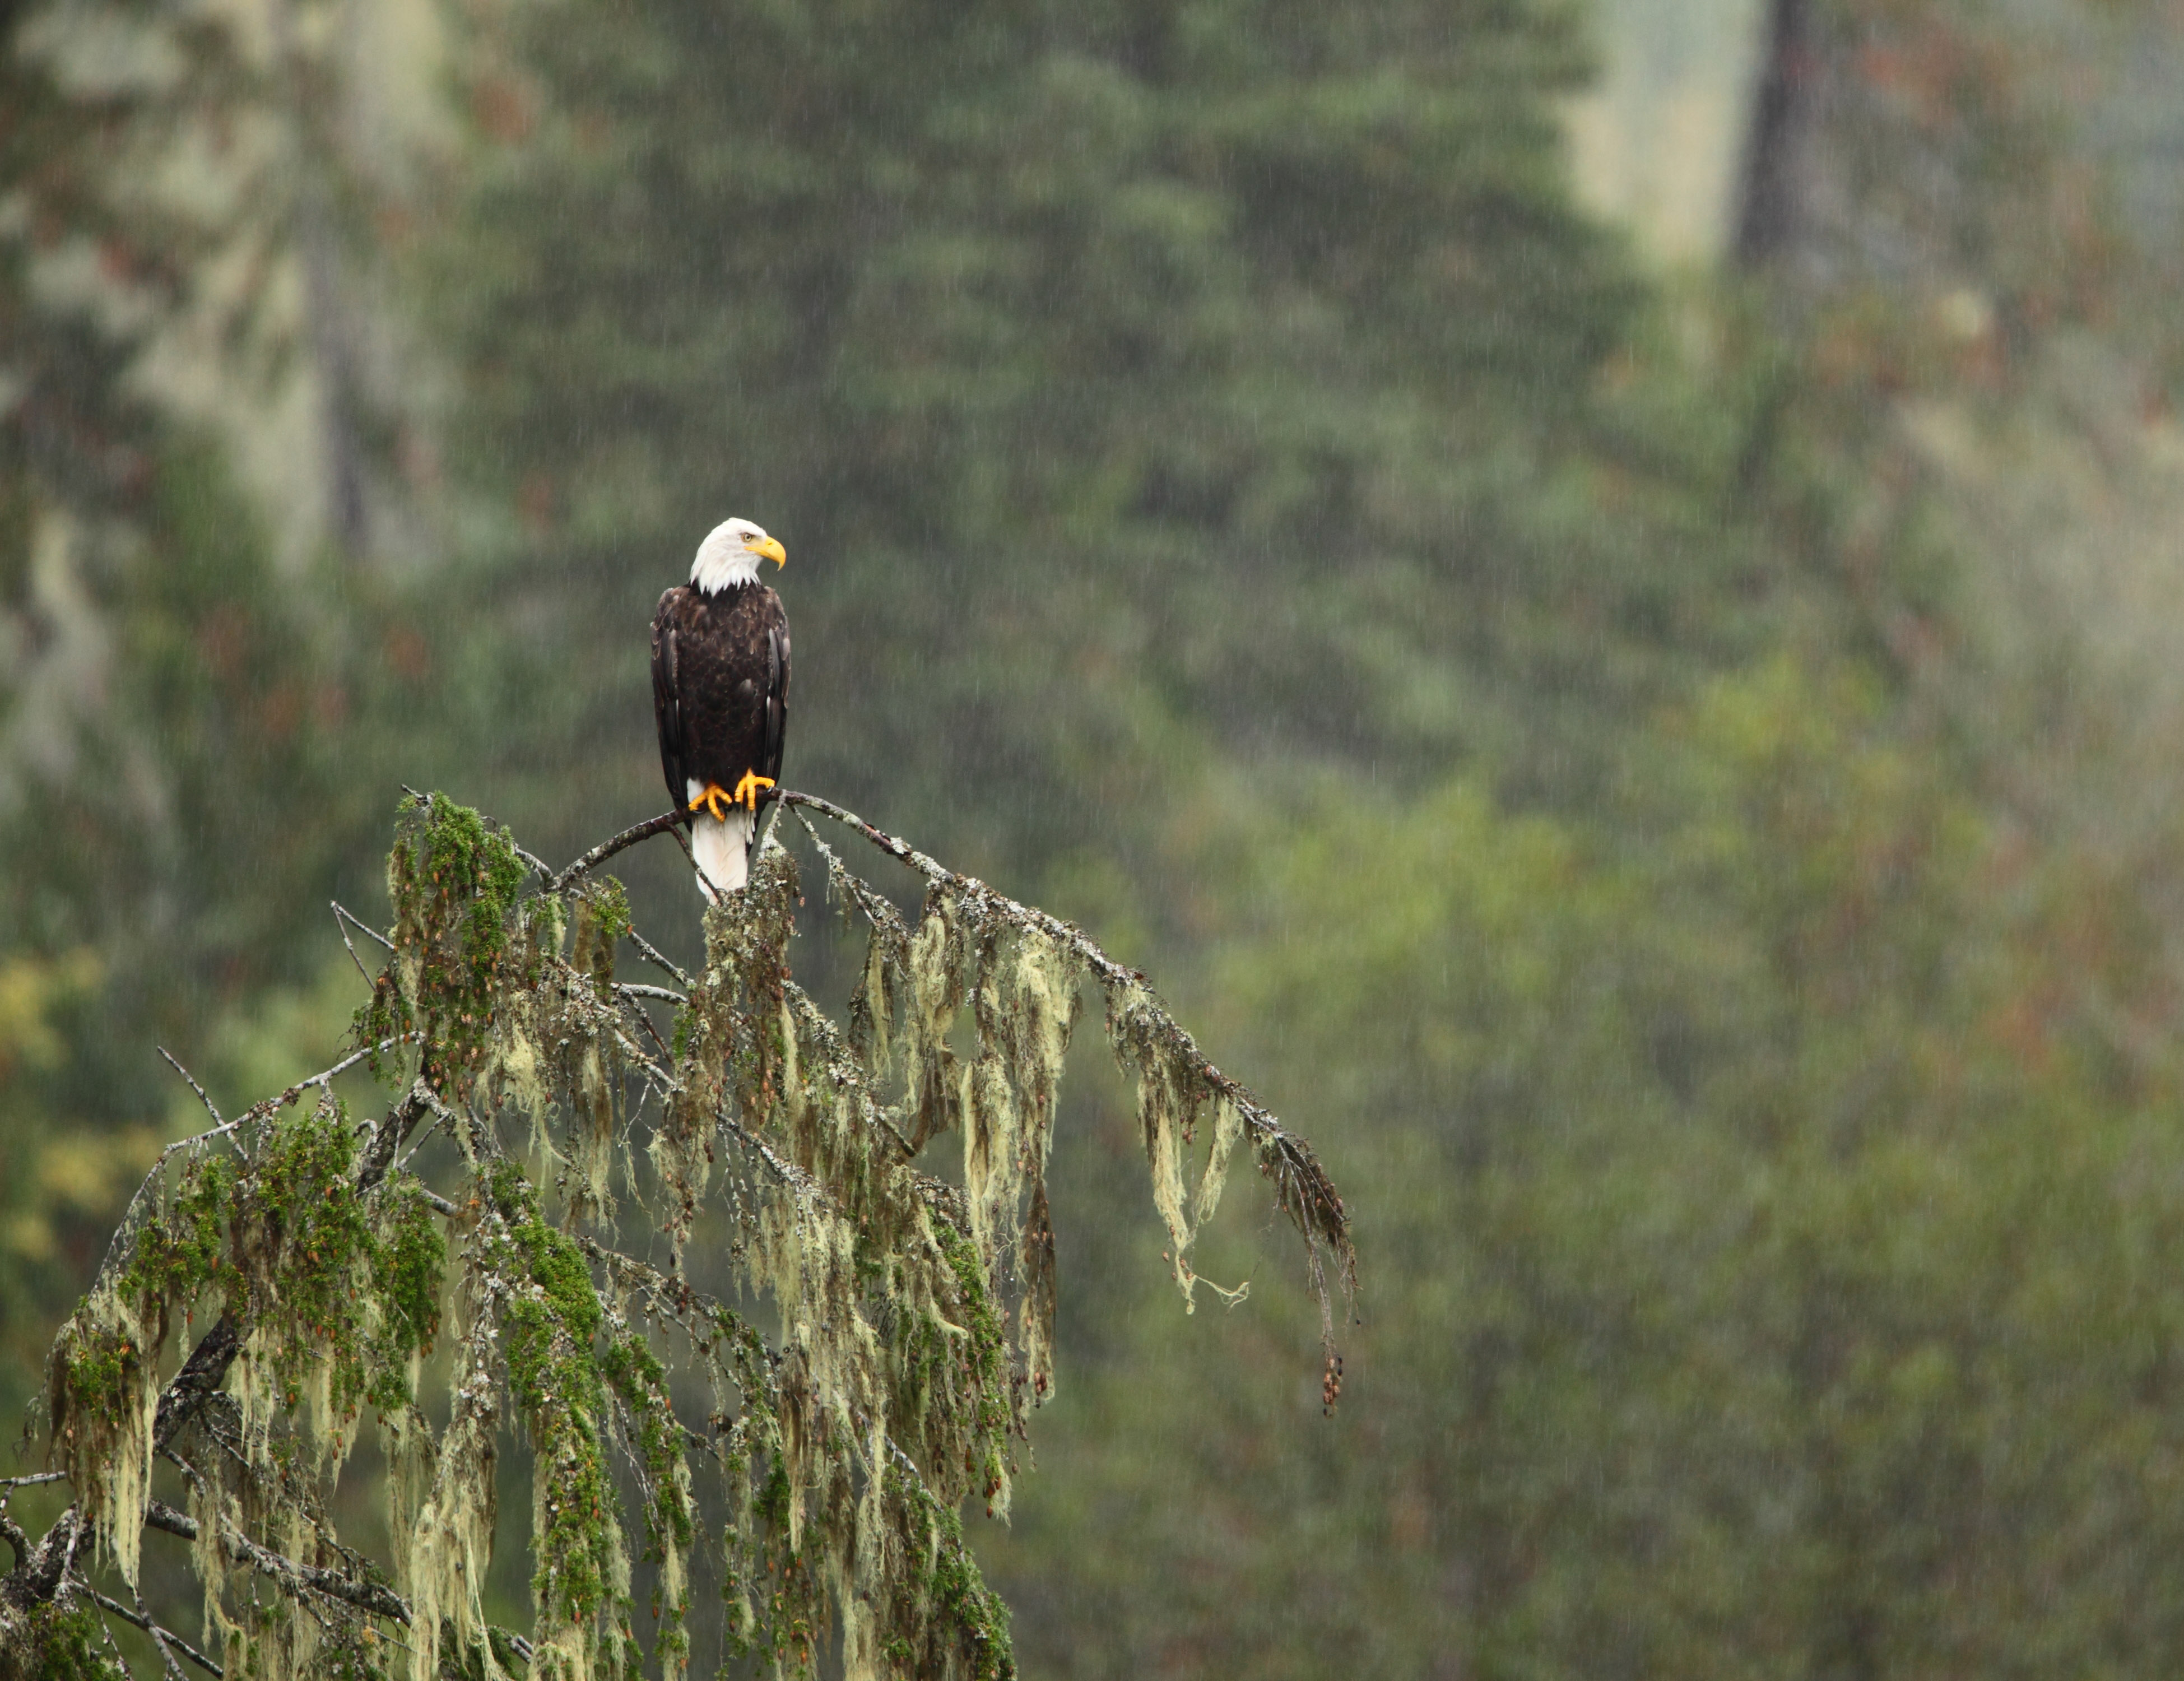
(113, 1652)
(143, 1619)
(166, 1637)
(607, 848)
(342, 928)
(343, 914)
(189, 1081)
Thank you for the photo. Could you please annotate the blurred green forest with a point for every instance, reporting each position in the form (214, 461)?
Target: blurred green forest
(1658, 753)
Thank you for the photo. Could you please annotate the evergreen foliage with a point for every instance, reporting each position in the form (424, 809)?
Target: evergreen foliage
(1117, 372)
(911, 1317)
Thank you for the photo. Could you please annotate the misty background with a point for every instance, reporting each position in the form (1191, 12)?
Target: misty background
(1597, 593)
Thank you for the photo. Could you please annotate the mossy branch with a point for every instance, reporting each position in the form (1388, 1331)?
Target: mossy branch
(1302, 1188)
(1152, 1042)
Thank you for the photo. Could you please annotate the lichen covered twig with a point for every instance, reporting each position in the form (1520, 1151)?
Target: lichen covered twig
(1177, 1081)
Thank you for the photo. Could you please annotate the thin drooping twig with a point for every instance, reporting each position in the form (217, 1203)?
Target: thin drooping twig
(113, 1650)
(653, 1033)
(342, 928)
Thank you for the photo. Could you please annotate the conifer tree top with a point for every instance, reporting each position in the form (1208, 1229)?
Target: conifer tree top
(812, 1460)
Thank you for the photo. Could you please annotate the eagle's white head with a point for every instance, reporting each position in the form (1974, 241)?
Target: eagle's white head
(728, 558)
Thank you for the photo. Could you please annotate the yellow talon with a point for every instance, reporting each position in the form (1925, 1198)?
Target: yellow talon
(710, 799)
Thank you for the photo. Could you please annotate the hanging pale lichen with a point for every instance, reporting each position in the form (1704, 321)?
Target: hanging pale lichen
(1024, 1006)
(103, 1395)
(1170, 1096)
(102, 1387)
(590, 1066)
(822, 1489)
(930, 984)
(452, 880)
(442, 1553)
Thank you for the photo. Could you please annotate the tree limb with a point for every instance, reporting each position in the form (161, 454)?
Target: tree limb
(343, 914)
(388, 1137)
(374, 1597)
(166, 1637)
(1307, 1194)
(607, 848)
(36, 1579)
(201, 1377)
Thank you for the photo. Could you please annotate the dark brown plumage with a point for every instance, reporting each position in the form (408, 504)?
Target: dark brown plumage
(720, 686)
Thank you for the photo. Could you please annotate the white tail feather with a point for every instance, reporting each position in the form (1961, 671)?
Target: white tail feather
(722, 847)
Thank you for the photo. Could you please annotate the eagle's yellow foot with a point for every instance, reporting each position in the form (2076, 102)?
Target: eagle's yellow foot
(746, 792)
(710, 800)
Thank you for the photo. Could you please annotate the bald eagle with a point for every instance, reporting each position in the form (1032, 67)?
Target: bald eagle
(720, 695)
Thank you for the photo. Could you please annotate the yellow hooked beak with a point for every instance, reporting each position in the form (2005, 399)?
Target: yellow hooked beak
(768, 549)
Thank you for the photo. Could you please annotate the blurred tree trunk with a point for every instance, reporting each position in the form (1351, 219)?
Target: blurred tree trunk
(1774, 197)
(311, 91)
